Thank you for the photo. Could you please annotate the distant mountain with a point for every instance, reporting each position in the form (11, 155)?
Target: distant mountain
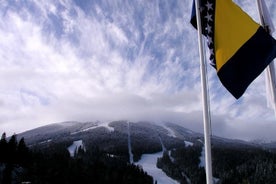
(175, 152)
(169, 134)
(112, 137)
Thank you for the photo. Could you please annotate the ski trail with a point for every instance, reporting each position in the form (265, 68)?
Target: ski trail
(162, 144)
(171, 132)
(148, 163)
(186, 178)
(129, 145)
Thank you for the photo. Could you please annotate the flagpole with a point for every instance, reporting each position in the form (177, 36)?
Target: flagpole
(205, 95)
(270, 70)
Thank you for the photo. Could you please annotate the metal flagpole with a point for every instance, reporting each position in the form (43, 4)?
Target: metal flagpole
(270, 70)
(206, 114)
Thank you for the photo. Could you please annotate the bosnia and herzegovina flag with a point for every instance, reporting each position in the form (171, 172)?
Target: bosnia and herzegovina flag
(240, 49)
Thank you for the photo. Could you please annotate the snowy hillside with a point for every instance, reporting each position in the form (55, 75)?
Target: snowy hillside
(159, 149)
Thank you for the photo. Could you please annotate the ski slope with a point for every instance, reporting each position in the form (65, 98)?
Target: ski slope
(148, 162)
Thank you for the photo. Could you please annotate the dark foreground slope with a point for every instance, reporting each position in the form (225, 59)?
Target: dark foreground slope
(22, 164)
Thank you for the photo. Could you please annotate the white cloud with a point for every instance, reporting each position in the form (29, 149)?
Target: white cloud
(133, 60)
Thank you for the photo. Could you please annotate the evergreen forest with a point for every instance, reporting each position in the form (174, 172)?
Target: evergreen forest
(18, 164)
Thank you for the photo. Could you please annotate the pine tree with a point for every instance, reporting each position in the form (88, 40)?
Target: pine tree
(3, 137)
(22, 152)
(3, 148)
(11, 149)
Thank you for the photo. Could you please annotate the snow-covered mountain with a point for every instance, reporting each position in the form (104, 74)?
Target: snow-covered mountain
(146, 135)
(142, 143)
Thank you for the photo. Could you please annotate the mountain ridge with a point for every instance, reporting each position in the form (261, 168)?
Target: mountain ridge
(77, 127)
(177, 151)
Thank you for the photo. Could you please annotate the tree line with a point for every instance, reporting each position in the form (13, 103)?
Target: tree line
(231, 165)
(19, 163)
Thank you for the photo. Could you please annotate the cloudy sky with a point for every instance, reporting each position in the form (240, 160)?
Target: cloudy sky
(63, 60)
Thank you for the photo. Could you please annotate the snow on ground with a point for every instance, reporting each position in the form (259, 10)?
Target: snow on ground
(104, 124)
(162, 144)
(75, 146)
(111, 155)
(129, 145)
(199, 140)
(188, 143)
(187, 178)
(171, 133)
(170, 156)
(189, 132)
(84, 130)
(148, 162)
(47, 141)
